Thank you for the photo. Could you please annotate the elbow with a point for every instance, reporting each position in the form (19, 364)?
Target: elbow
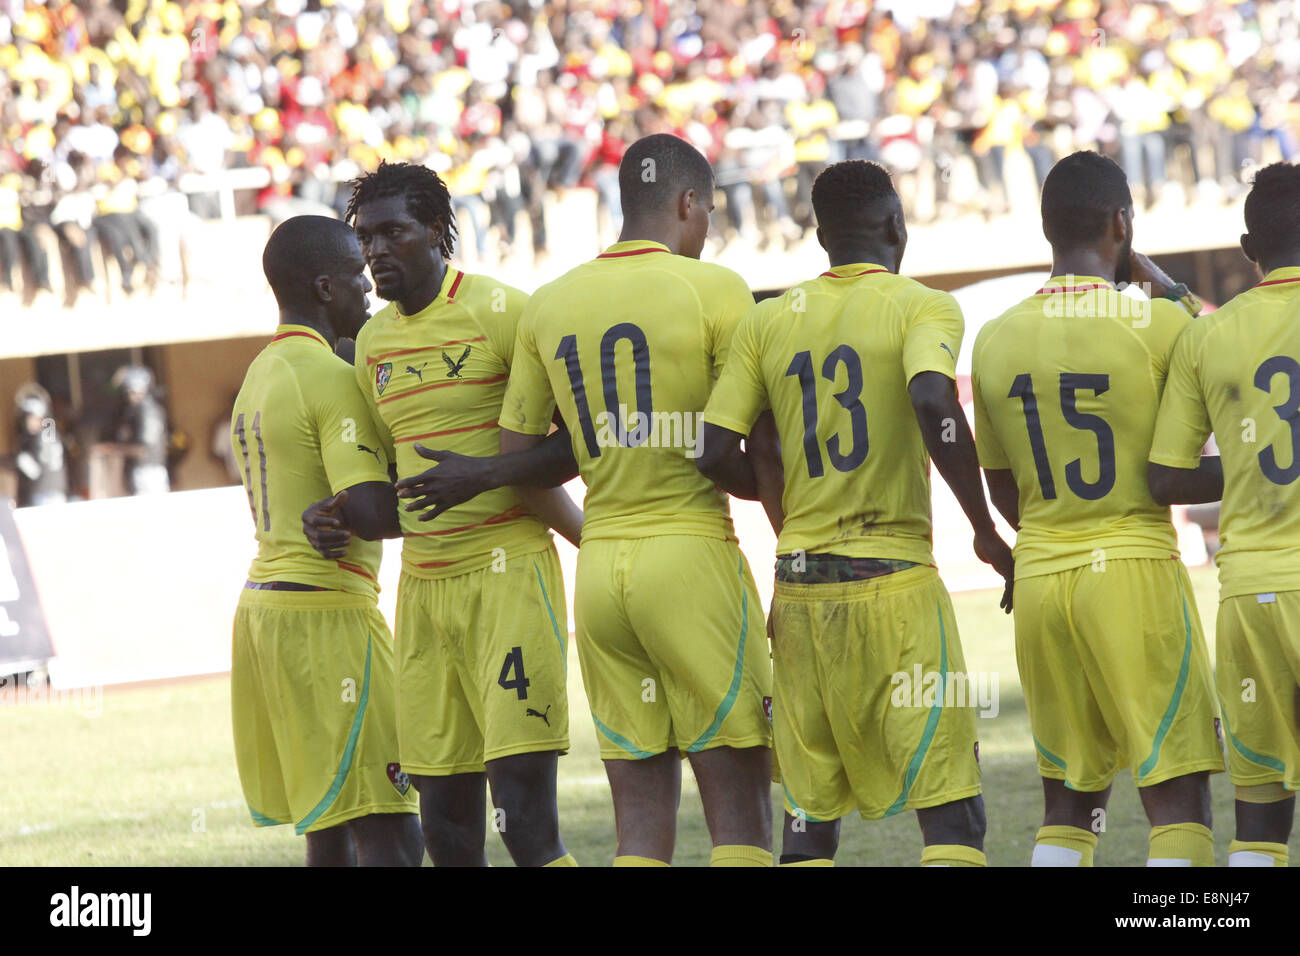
(709, 465)
(1160, 486)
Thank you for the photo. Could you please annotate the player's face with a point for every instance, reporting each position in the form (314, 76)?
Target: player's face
(349, 310)
(697, 225)
(399, 250)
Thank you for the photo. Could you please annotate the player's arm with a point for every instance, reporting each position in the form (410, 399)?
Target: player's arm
(368, 510)
(725, 463)
(550, 503)
(951, 445)
(764, 448)
(1186, 486)
(1004, 493)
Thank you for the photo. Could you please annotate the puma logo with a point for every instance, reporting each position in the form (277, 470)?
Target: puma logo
(944, 346)
(537, 713)
(371, 450)
(417, 372)
(457, 365)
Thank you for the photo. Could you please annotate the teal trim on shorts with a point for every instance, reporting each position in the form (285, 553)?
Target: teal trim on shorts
(729, 700)
(798, 809)
(1272, 763)
(1050, 757)
(262, 820)
(564, 645)
(345, 764)
(931, 724)
(1168, 719)
(620, 740)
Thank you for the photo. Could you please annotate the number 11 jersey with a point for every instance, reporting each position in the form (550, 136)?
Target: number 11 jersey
(629, 346)
(1067, 385)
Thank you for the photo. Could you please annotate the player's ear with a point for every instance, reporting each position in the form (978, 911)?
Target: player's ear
(821, 238)
(1122, 225)
(324, 288)
(1246, 247)
(684, 203)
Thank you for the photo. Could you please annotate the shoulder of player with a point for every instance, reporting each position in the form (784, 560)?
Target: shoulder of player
(476, 291)
(385, 317)
(709, 278)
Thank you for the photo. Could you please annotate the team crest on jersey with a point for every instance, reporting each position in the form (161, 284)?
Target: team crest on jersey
(382, 374)
(399, 778)
(767, 708)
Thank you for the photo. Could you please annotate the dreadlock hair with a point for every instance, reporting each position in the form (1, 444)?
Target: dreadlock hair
(843, 196)
(427, 200)
(1273, 211)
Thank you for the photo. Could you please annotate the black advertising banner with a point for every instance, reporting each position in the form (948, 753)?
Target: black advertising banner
(24, 640)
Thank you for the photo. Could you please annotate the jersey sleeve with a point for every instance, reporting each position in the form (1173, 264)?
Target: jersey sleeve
(361, 373)
(729, 303)
(987, 446)
(932, 338)
(350, 445)
(740, 394)
(529, 404)
(505, 305)
(1183, 423)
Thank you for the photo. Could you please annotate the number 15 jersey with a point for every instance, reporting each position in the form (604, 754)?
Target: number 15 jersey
(1067, 385)
(628, 346)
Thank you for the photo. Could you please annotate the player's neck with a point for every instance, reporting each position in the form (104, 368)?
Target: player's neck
(1290, 260)
(1083, 262)
(418, 299)
(316, 324)
(646, 230)
(881, 255)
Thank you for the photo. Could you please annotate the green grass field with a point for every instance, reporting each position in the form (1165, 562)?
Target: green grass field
(151, 780)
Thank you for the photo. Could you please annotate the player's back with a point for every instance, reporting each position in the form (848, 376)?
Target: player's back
(631, 344)
(300, 434)
(1245, 359)
(834, 356)
(1067, 385)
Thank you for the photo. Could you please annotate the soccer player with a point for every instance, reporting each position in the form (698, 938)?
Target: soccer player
(311, 677)
(1236, 373)
(669, 625)
(481, 651)
(1108, 639)
(859, 367)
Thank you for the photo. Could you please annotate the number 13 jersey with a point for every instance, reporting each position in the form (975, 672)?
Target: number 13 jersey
(833, 358)
(629, 346)
(1067, 385)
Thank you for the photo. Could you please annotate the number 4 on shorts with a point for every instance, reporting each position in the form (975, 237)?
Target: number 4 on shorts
(514, 662)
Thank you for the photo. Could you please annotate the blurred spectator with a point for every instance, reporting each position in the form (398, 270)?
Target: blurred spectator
(39, 457)
(141, 427)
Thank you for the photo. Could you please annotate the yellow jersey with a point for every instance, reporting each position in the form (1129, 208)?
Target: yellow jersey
(833, 358)
(1066, 386)
(438, 378)
(301, 432)
(629, 346)
(1236, 373)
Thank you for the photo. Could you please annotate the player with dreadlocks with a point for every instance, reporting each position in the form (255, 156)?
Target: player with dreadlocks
(480, 637)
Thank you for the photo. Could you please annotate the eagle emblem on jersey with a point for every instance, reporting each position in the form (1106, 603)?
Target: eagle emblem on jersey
(382, 374)
(456, 366)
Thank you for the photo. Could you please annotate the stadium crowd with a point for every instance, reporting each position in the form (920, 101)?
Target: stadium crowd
(107, 104)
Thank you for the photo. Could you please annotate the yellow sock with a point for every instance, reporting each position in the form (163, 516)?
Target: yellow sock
(1257, 854)
(739, 854)
(1181, 844)
(566, 860)
(629, 860)
(1063, 846)
(820, 861)
(952, 854)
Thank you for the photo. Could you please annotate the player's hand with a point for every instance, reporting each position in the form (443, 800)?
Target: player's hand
(1145, 272)
(992, 550)
(454, 480)
(324, 525)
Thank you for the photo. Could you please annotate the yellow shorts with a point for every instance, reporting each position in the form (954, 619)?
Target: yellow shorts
(1116, 673)
(1258, 651)
(311, 700)
(481, 665)
(673, 647)
(874, 710)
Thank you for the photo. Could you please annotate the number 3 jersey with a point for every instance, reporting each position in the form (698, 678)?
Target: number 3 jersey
(301, 432)
(629, 346)
(1237, 372)
(832, 358)
(1067, 385)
